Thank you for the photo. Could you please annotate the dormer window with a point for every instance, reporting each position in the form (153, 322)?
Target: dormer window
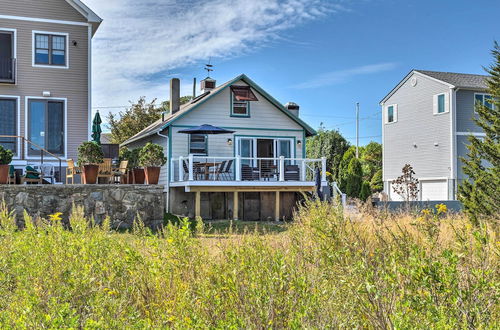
(241, 96)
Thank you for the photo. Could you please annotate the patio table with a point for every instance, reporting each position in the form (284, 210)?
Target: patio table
(207, 166)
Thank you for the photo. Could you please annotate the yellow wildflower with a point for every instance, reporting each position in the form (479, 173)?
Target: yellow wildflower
(441, 208)
(55, 216)
(426, 212)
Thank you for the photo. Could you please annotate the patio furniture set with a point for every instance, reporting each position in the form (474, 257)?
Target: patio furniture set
(107, 172)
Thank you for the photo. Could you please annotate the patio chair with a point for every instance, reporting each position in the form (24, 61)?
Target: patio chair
(249, 173)
(31, 176)
(227, 172)
(292, 173)
(219, 170)
(197, 170)
(105, 170)
(72, 171)
(121, 173)
(12, 175)
(48, 172)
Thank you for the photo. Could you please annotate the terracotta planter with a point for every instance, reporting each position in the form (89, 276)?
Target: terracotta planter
(152, 174)
(4, 174)
(89, 174)
(139, 176)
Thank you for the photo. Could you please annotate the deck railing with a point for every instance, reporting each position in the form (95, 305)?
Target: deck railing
(281, 169)
(8, 70)
(14, 139)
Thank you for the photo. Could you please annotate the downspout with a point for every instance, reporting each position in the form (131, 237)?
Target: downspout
(167, 200)
(454, 152)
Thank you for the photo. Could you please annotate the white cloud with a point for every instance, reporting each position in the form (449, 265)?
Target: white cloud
(141, 41)
(338, 76)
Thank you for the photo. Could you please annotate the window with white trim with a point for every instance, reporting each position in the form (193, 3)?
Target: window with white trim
(50, 49)
(391, 113)
(484, 99)
(8, 124)
(440, 104)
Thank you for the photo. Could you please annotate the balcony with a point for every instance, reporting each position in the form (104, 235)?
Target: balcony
(203, 171)
(7, 70)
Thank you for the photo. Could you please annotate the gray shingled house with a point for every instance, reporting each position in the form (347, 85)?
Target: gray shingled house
(426, 120)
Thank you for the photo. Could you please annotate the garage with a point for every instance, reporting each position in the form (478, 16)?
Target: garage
(435, 190)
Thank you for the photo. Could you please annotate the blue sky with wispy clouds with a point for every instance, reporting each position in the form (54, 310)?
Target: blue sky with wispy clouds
(325, 55)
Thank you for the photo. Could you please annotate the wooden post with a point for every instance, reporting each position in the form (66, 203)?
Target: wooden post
(277, 204)
(303, 170)
(191, 164)
(181, 169)
(197, 204)
(237, 169)
(236, 205)
(282, 169)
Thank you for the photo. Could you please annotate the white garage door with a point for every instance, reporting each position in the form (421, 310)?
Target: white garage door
(435, 190)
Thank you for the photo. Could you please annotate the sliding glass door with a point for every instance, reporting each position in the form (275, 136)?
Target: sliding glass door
(8, 123)
(46, 126)
(250, 147)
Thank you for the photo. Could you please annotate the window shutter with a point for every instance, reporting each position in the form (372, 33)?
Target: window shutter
(446, 102)
(435, 105)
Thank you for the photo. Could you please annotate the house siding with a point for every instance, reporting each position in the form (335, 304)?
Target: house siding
(417, 124)
(46, 9)
(71, 83)
(465, 112)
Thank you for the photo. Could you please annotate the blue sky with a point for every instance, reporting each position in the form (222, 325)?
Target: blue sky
(323, 55)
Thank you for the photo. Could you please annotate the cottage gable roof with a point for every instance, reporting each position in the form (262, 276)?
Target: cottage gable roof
(160, 124)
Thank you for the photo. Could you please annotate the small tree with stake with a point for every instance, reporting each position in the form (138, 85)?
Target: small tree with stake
(406, 185)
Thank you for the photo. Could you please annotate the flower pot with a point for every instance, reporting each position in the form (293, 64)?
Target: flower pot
(4, 174)
(89, 174)
(152, 174)
(139, 176)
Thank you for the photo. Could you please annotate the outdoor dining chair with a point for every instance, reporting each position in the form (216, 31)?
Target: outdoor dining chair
(292, 173)
(106, 170)
(12, 175)
(71, 171)
(31, 176)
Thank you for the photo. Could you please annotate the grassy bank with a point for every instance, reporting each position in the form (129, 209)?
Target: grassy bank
(322, 271)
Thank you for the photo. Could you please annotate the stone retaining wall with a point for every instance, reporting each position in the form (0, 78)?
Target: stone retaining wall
(121, 202)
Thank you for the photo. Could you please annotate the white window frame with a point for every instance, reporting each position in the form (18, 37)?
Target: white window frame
(435, 104)
(18, 119)
(26, 126)
(33, 45)
(483, 95)
(395, 115)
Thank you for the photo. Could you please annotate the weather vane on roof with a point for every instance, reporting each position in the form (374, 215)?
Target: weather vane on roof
(209, 67)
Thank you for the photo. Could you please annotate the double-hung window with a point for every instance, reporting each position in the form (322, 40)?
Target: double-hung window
(46, 126)
(484, 99)
(8, 123)
(51, 50)
(198, 144)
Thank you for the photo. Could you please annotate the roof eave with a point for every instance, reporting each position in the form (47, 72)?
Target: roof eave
(88, 13)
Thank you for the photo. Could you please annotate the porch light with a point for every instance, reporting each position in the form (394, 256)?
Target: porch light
(229, 142)
(299, 142)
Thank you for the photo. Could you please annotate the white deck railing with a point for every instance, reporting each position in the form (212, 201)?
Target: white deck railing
(208, 168)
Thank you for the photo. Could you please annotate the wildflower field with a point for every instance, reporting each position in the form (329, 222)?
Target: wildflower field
(427, 270)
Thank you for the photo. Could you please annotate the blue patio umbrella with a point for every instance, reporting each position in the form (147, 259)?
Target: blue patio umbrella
(96, 128)
(206, 129)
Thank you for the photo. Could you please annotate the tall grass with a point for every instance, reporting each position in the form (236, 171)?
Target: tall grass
(325, 271)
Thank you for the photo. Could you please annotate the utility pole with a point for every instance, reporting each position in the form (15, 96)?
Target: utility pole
(357, 130)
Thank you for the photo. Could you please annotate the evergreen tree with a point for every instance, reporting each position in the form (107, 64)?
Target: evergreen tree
(344, 167)
(480, 193)
(354, 178)
(329, 144)
(365, 191)
(376, 183)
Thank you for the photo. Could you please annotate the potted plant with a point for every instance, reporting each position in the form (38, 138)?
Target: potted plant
(5, 159)
(138, 172)
(152, 158)
(90, 155)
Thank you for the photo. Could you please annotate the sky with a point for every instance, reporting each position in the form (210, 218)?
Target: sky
(325, 55)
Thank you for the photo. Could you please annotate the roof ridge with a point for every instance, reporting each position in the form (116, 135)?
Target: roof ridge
(460, 73)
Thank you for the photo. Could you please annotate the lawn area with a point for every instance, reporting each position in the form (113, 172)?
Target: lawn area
(430, 270)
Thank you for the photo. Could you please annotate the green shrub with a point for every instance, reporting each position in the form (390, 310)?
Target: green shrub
(354, 178)
(365, 191)
(376, 184)
(152, 155)
(6, 156)
(90, 153)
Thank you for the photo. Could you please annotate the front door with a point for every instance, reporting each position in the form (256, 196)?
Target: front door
(6, 55)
